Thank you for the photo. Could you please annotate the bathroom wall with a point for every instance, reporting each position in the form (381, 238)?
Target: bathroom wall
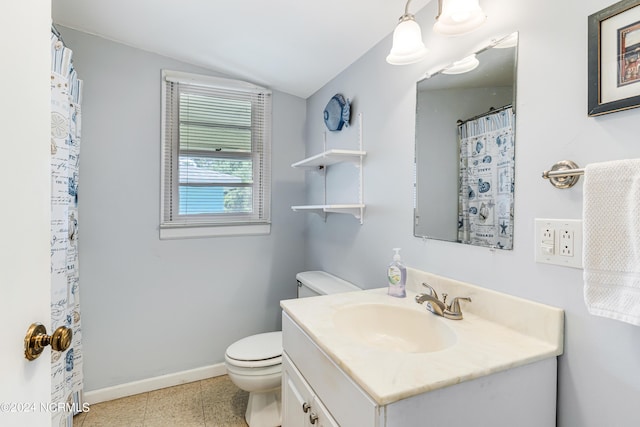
(599, 373)
(153, 307)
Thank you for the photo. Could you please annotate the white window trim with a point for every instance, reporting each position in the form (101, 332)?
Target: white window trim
(194, 232)
(187, 231)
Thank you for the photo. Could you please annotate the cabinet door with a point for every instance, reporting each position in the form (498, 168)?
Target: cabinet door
(296, 398)
(300, 406)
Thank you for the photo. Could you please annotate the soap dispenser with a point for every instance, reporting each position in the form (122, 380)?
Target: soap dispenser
(397, 276)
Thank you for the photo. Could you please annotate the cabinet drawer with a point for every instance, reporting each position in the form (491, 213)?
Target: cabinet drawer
(348, 404)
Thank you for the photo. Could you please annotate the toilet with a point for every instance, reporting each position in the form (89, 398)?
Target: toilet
(254, 363)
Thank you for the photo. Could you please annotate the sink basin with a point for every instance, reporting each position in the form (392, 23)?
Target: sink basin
(394, 328)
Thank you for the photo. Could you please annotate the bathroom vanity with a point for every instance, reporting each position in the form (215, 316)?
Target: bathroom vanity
(367, 359)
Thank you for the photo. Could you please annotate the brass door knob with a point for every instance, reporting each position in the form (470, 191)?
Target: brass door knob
(37, 339)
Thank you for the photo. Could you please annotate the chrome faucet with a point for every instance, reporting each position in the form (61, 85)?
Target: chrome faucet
(438, 307)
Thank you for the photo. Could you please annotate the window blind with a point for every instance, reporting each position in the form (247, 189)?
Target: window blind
(216, 152)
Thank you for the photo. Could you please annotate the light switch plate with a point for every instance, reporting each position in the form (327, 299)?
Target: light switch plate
(558, 241)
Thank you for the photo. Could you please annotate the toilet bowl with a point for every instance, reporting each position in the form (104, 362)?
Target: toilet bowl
(254, 363)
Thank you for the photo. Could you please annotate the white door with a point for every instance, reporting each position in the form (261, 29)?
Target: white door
(25, 387)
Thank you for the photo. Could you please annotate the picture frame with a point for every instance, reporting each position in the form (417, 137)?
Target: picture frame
(614, 58)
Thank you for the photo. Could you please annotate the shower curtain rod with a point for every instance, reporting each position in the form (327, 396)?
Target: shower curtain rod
(479, 116)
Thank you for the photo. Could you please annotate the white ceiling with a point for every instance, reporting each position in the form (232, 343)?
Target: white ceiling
(294, 46)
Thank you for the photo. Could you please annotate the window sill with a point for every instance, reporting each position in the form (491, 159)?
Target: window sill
(217, 231)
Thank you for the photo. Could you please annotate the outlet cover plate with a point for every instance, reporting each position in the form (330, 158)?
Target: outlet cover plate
(558, 241)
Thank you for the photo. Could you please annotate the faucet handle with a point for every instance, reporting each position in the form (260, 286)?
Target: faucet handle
(454, 307)
(432, 291)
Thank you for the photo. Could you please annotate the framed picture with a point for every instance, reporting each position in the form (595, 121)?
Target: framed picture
(614, 58)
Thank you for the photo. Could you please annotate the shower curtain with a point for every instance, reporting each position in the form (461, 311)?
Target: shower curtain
(66, 97)
(485, 209)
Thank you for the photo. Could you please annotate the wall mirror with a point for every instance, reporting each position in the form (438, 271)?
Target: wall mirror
(465, 146)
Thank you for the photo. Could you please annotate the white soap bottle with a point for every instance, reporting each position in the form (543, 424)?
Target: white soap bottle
(397, 276)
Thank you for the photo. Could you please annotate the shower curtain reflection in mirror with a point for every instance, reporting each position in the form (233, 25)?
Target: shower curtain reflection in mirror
(485, 208)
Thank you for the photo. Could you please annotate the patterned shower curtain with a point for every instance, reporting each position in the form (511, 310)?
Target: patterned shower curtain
(485, 209)
(66, 97)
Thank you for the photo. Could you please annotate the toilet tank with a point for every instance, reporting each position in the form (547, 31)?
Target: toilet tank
(314, 283)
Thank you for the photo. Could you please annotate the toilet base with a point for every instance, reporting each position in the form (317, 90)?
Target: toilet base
(264, 409)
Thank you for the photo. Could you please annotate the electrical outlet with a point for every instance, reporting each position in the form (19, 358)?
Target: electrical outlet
(547, 240)
(559, 241)
(566, 242)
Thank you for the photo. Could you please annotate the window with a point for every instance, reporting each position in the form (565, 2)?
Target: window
(215, 157)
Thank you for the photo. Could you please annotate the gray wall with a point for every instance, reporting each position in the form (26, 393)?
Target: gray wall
(599, 373)
(154, 307)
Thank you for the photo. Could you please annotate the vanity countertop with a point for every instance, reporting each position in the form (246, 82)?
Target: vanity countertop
(498, 332)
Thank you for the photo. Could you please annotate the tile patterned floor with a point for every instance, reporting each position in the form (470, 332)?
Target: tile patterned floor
(214, 402)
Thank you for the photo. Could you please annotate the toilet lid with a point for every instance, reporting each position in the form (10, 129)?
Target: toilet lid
(257, 347)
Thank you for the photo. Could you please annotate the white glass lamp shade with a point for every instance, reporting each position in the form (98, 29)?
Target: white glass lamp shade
(463, 66)
(408, 47)
(459, 17)
(508, 42)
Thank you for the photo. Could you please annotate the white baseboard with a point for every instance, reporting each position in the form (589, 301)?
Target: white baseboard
(156, 383)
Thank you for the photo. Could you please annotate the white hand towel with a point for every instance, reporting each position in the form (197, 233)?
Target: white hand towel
(611, 240)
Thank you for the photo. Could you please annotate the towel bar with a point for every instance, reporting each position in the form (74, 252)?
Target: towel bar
(563, 174)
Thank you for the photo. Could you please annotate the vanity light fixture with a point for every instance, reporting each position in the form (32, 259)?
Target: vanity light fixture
(463, 66)
(408, 47)
(456, 17)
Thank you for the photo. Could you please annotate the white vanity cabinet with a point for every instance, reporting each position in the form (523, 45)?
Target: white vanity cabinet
(523, 396)
(309, 375)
